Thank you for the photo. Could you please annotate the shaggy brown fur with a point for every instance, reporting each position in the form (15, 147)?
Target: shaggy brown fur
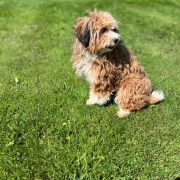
(108, 65)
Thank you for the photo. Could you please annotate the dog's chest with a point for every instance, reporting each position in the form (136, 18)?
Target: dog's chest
(87, 68)
(101, 71)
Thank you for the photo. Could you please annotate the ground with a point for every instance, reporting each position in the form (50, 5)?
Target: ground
(46, 130)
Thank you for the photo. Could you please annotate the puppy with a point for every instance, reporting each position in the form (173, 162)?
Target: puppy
(100, 55)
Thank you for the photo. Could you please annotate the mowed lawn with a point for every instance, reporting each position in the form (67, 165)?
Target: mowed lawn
(46, 130)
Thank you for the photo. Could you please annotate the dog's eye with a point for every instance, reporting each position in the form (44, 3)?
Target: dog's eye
(103, 30)
(115, 30)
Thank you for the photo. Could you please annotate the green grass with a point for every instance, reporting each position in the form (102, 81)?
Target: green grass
(46, 130)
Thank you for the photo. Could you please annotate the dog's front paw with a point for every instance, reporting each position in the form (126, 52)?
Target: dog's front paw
(89, 102)
(121, 113)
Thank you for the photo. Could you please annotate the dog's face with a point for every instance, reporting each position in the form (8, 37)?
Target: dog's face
(97, 33)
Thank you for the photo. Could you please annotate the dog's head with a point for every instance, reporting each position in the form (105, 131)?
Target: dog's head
(98, 33)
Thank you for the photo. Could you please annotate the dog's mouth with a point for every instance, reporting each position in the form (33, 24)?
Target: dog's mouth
(107, 49)
(111, 47)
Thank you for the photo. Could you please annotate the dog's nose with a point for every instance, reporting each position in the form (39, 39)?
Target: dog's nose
(116, 40)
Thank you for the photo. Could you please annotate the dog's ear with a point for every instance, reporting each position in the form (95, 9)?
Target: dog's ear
(82, 31)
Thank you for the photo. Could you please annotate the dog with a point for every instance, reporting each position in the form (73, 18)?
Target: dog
(100, 55)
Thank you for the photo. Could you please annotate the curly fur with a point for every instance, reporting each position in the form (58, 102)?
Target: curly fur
(100, 55)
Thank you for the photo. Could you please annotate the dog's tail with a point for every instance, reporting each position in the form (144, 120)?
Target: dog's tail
(156, 97)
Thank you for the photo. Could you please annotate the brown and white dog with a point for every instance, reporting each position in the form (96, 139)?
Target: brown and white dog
(109, 67)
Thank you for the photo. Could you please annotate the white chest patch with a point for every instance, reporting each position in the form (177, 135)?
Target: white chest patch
(85, 65)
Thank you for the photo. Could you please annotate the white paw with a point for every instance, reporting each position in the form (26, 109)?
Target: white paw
(121, 113)
(158, 94)
(89, 102)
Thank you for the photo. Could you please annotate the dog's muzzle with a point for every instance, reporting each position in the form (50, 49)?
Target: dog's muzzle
(114, 43)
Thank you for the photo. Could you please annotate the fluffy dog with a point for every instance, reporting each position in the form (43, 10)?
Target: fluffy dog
(100, 55)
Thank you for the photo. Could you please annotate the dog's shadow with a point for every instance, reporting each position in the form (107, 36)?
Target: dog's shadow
(177, 178)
